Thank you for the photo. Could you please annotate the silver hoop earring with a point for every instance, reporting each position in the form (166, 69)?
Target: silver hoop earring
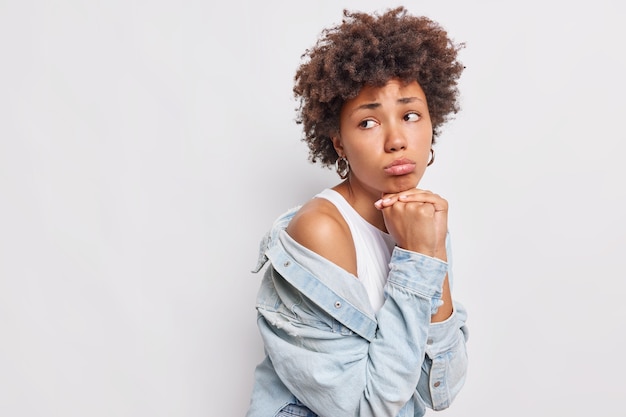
(342, 166)
(432, 157)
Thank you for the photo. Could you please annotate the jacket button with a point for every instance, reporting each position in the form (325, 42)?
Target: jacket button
(337, 304)
(429, 341)
(436, 384)
(287, 263)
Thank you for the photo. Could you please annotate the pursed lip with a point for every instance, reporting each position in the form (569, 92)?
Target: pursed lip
(400, 161)
(400, 166)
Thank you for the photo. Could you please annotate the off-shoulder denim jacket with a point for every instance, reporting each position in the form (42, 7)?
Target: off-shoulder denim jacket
(326, 348)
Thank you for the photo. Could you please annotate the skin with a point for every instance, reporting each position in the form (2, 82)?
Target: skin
(380, 127)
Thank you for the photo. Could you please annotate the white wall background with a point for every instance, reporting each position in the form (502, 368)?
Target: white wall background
(146, 146)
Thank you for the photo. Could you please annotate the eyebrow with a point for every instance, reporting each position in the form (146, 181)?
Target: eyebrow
(371, 106)
(406, 100)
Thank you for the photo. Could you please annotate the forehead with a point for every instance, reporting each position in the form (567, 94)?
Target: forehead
(394, 88)
(393, 92)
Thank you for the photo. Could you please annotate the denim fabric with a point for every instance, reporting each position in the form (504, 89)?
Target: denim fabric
(326, 349)
(298, 410)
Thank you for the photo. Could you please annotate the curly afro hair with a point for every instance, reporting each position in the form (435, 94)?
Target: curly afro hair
(371, 49)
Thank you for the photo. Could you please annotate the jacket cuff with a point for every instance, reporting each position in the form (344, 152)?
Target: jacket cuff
(442, 336)
(419, 274)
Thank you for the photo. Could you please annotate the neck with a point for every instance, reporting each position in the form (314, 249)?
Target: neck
(363, 203)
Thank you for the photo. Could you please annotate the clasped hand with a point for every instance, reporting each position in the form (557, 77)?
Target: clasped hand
(417, 220)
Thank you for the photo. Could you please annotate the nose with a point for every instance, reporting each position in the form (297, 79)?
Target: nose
(395, 140)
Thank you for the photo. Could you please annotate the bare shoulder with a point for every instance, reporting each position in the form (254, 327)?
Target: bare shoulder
(319, 226)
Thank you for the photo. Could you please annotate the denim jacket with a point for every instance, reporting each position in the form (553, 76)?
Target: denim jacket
(326, 348)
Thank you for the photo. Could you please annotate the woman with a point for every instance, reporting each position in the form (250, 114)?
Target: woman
(355, 308)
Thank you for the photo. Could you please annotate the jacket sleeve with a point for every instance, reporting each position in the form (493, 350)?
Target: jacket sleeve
(445, 364)
(335, 371)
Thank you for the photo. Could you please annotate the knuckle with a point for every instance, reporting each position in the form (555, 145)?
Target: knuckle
(421, 209)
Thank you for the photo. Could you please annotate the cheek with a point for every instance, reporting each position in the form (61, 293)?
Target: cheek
(363, 165)
(364, 156)
(425, 140)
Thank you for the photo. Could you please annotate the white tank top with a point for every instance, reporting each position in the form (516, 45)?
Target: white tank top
(373, 248)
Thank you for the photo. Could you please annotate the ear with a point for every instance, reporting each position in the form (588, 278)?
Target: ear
(337, 145)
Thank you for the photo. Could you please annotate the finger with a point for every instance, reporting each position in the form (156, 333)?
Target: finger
(437, 201)
(386, 201)
(411, 191)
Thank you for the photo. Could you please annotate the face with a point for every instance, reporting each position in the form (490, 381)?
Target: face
(386, 135)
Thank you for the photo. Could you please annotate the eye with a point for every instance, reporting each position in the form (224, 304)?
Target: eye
(411, 117)
(367, 124)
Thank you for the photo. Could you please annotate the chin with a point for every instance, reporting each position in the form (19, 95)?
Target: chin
(406, 182)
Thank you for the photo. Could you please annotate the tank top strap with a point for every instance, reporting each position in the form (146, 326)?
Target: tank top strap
(372, 246)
